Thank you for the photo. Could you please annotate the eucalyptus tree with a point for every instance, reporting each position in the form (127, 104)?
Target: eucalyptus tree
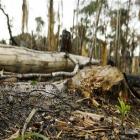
(137, 2)
(50, 25)
(59, 24)
(39, 25)
(77, 17)
(93, 11)
(123, 34)
(25, 13)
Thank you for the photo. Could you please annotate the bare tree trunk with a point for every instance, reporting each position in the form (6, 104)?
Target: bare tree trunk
(58, 29)
(73, 23)
(51, 26)
(97, 21)
(77, 34)
(135, 65)
(125, 61)
(104, 54)
(127, 28)
(117, 35)
(24, 16)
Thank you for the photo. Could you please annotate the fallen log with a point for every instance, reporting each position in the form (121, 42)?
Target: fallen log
(24, 60)
(133, 80)
(8, 77)
(130, 87)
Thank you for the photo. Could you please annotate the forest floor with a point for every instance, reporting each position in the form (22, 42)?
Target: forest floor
(66, 116)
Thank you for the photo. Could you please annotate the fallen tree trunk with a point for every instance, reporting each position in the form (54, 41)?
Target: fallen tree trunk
(39, 76)
(23, 60)
(134, 80)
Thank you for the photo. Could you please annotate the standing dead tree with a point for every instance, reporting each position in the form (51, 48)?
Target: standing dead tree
(13, 42)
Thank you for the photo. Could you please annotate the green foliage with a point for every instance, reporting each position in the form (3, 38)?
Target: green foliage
(123, 109)
(2, 41)
(124, 16)
(92, 7)
(40, 23)
(33, 135)
(34, 82)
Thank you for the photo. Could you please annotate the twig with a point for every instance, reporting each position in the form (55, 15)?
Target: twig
(81, 100)
(97, 130)
(27, 121)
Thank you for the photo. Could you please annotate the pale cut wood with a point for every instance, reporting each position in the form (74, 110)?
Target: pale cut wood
(24, 60)
(93, 116)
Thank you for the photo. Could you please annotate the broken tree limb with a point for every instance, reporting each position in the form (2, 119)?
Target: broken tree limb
(68, 74)
(27, 121)
(24, 60)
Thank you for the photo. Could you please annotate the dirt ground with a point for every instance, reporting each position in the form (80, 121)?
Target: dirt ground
(58, 116)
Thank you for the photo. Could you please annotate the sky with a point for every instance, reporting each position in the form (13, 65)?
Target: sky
(36, 8)
(39, 8)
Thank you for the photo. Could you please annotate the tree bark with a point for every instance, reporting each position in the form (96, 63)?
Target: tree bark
(23, 60)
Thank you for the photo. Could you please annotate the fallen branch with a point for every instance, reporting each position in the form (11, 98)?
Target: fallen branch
(97, 130)
(68, 74)
(27, 121)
